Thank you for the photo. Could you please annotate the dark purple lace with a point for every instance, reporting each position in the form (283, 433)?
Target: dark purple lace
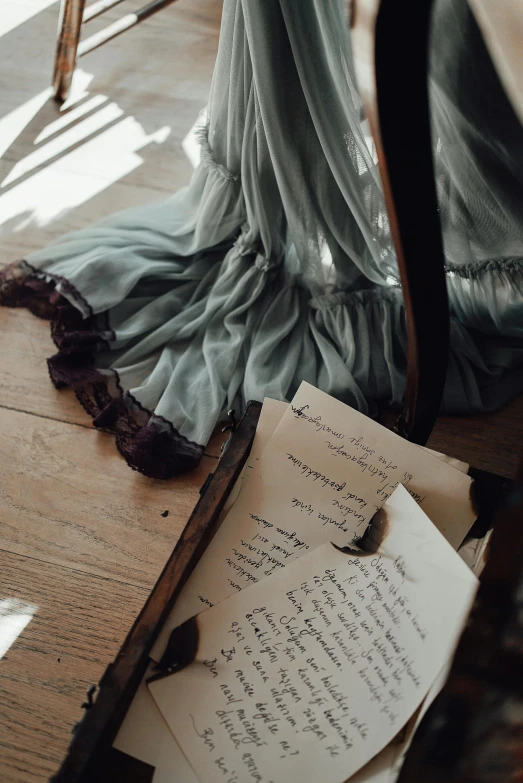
(148, 442)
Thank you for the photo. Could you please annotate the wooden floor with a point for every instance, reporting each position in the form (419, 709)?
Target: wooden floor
(82, 537)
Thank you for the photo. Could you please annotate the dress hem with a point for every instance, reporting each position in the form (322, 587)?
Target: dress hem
(149, 443)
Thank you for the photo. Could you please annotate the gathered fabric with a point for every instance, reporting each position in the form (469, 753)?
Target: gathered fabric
(276, 264)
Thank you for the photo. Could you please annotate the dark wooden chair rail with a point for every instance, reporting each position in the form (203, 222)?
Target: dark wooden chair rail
(391, 68)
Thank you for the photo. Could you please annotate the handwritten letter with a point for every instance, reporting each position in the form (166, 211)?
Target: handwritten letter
(323, 475)
(310, 673)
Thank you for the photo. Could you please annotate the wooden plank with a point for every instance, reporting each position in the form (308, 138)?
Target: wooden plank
(25, 344)
(65, 494)
(69, 498)
(184, 37)
(490, 441)
(79, 623)
(102, 135)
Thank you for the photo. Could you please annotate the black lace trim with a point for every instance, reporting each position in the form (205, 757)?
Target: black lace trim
(149, 443)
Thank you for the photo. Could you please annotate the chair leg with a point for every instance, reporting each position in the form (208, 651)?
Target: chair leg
(69, 25)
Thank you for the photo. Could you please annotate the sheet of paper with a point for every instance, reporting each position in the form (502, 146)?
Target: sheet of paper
(456, 463)
(386, 766)
(312, 671)
(379, 769)
(270, 416)
(475, 552)
(192, 597)
(334, 445)
(144, 735)
(324, 473)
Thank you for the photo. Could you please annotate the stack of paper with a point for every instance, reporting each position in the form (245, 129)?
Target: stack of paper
(336, 598)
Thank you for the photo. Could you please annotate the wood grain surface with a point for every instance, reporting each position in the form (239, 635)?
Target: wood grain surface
(79, 623)
(82, 537)
(25, 344)
(69, 498)
(490, 441)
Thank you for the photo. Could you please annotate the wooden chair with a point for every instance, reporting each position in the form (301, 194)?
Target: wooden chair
(73, 14)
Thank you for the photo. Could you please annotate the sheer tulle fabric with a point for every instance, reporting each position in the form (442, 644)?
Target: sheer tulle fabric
(276, 264)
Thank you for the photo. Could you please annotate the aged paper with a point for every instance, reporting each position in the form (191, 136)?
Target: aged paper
(334, 445)
(314, 670)
(270, 416)
(456, 463)
(325, 472)
(144, 735)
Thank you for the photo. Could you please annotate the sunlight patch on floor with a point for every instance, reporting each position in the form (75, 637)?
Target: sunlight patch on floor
(78, 175)
(16, 12)
(12, 125)
(71, 116)
(87, 148)
(191, 143)
(60, 144)
(15, 122)
(14, 616)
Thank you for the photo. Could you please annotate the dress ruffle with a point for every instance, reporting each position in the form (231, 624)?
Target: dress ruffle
(148, 442)
(237, 332)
